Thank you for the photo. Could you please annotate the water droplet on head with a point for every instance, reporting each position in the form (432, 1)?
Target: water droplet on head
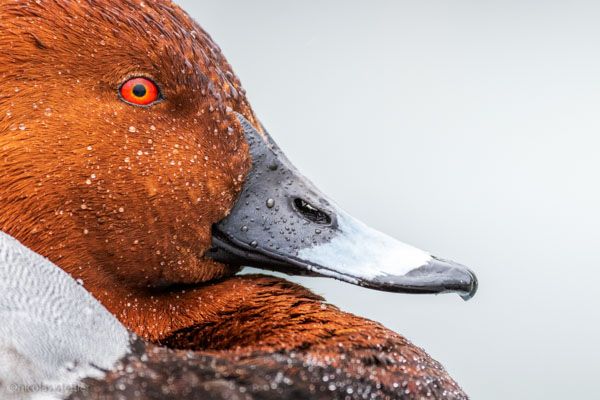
(270, 203)
(244, 228)
(254, 244)
(132, 129)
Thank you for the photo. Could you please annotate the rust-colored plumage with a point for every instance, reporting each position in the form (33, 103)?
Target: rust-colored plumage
(124, 199)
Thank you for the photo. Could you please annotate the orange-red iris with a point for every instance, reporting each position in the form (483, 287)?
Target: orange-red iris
(140, 91)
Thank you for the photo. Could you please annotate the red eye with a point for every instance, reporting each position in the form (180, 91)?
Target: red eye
(140, 92)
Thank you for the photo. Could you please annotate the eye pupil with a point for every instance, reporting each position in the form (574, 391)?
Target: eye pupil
(139, 90)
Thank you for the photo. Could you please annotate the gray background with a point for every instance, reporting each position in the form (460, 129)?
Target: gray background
(467, 128)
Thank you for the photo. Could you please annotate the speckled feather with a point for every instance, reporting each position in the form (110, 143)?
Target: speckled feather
(53, 332)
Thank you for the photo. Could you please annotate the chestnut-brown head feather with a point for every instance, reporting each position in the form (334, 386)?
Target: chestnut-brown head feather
(107, 190)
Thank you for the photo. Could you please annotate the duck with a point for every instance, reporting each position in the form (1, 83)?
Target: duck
(137, 182)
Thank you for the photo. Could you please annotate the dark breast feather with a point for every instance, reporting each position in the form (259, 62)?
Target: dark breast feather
(391, 372)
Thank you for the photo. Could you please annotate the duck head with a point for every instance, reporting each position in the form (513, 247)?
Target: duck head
(131, 158)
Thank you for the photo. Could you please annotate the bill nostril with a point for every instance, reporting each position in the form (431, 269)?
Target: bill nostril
(311, 213)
